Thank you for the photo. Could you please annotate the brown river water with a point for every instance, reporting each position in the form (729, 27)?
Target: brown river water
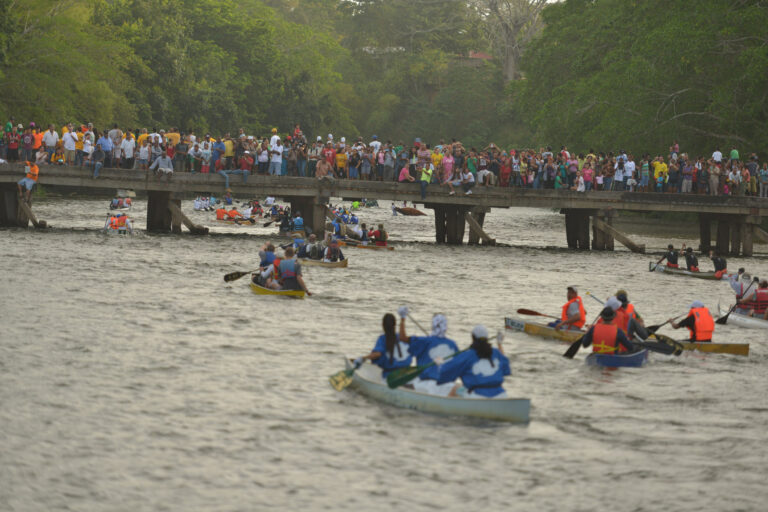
(132, 378)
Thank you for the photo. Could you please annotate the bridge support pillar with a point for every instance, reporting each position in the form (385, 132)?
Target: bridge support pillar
(577, 228)
(11, 213)
(159, 217)
(313, 211)
(705, 233)
(736, 228)
(747, 236)
(723, 235)
(439, 224)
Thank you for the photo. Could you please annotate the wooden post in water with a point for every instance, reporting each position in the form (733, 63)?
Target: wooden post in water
(460, 224)
(158, 214)
(11, 214)
(705, 233)
(451, 221)
(583, 240)
(439, 223)
(175, 215)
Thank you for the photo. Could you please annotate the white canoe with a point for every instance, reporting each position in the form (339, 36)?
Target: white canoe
(367, 380)
(739, 320)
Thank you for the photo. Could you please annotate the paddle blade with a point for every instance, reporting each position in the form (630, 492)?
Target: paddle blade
(403, 376)
(677, 347)
(723, 319)
(575, 346)
(531, 312)
(268, 223)
(234, 276)
(341, 380)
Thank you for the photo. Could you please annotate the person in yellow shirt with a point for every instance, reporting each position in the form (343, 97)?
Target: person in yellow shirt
(173, 136)
(229, 151)
(437, 158)
(79, 145)
(141, 138)
(341, 162)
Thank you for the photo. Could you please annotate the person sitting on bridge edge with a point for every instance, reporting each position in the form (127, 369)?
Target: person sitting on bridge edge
(29, 180)
(163, 166)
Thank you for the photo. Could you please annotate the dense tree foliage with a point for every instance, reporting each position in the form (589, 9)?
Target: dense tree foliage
(610, 73)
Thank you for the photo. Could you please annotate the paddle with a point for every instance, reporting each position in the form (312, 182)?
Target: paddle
(531, 312)
(405, 375)
(342, 379)
(653, 328)
(234, 276)
(266, 224)
(577, 344)
(723, 319)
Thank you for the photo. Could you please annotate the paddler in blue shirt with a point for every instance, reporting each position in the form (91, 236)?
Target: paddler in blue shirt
(427, 349)
(390, 352)
(266, 255)
(481, 368)
(298, 222)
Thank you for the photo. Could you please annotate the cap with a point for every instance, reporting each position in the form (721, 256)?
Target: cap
(613, 303)
(343, 139)
(274, 130)
(689, 249)
(20, 127)
(375, 137)
(670, 246)
(246, 152)
(696, 304)
(250, 137)
(608, 313)
(319, 138)
(480, 331)
(330, 136)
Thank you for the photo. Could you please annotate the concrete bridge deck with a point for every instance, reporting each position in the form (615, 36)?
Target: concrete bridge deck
(311, 195)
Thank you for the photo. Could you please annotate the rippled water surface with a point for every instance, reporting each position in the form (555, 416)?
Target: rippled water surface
(133, 378)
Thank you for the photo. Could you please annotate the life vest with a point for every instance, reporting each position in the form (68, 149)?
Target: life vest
(380, 236)
(704, 325)
(128, 201)
(221, 214)
(298, 224)
(233, 214)
(582, 314)
(760, 303)
(604, 339)
(276, 268)
(33, 171)
(287, 268)
(333, 253)
(113, 222)
(121, 221)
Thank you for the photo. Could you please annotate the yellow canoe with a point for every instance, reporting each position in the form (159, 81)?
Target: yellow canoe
(260, 290)
(535, 329)
(245, 223)
(321, 263)
(370, 246)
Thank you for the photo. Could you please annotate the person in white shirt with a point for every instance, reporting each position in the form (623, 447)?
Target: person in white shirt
(69, 140)
(50, 139)
(375, 144)
(579, 182)
(269, 201)
(717, 156)
(127, 149)
(198, 204)
(276, 163)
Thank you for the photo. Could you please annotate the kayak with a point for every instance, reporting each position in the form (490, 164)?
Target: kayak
(360, 246)
(682, 272)
(321, 263)
(409, 211)
(620, 360)
(260, 290)
(368, 381)
(537, 329)
(740, 320)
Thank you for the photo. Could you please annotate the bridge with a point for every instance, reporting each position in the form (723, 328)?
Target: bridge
(737, 219)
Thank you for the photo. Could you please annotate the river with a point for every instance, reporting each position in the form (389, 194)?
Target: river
(132, 378)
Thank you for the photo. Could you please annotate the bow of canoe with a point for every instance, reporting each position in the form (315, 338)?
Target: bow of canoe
(746, 321)
(368, 381)
(542, 330)
(361, 246)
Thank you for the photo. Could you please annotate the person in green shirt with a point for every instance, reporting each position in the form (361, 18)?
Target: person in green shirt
(427, 170)
(734, 153)
(472, 162)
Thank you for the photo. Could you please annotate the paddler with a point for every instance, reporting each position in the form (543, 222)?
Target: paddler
(266, 255)
(427, 349)
(634, 323)
(390, 352)
(285, 273)
(699, 322)
(742, 284)
(481, 369)
(305, 249)
(670, 256)
(605, 336)
(298, 222)
(233, 214)
(221, 213)
(333, 252)
(379, 236)
(573, 315)
(721, 266)
(691, 261)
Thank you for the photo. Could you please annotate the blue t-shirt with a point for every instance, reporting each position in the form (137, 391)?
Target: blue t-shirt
(218, 149)
(477, 374)
(298, 224)
(427, 348)
(398, 359)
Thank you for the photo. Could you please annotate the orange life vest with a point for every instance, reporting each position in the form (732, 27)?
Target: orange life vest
(113, 222)
(33, 172)
(624, 315)
(604, 339)
(704, 325)
(121, 221)
(221, 214)
(276, 270)
(233, 214)
(582, 314)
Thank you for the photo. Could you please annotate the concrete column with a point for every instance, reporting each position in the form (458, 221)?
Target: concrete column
(598, 238)
(723, 235)
(460, 225)
(747, 235)
(451, 225)
(705, 233)
(176, 216)
(583, 239)
(439, 224)
(571, 230)
(11, 214)
(608, 238)
(316, 216)
(158, 215)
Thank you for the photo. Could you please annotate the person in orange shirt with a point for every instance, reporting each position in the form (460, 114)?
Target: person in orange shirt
(29, 180)
(38, 135)
(221, 213)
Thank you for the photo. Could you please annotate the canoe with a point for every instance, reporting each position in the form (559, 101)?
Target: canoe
(682, 272)
(242, 223)
(370, 246)
(321, 263)
(409, 211)
(620, 360)
(260, 290)
(368, 381)
(739, 320)
(537, 329)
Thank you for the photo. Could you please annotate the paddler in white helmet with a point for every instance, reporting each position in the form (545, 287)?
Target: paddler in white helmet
(481, 368)
(429, 349)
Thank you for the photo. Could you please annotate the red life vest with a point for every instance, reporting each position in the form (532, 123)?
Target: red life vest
(582, 314)
(604, 339)
(113, 222)
(704, 325)
(121, 221)
(625, 315)
(673, 265)
(760, 303)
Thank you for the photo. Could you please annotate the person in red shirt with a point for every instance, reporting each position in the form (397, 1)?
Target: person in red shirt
(329, 154)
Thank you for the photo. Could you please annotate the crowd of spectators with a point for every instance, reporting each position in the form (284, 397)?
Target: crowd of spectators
(449, 164)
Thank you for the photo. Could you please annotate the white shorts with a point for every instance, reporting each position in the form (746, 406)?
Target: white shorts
(482, 174)
(165, 170)
(430, 386)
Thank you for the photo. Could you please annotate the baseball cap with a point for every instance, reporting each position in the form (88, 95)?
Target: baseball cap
(319, 138)
(480, 331)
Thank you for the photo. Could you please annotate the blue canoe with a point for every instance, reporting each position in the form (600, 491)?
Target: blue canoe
(633, 360)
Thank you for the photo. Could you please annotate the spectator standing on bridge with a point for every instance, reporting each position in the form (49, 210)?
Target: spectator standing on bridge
(116, 136)
(427, 170)
(50, 139)
(69, 140)
(276, 152)
(128, 150)
(753, 167)
(762, 177)
(106, 146)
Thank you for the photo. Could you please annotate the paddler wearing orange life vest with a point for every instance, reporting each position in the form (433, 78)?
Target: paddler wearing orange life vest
(699, 322)
(573, 315)
(605, 336)
(28, 181)
(634, 324)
